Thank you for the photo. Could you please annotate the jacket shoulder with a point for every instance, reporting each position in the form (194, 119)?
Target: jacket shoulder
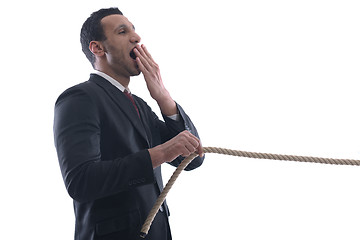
(78, 88)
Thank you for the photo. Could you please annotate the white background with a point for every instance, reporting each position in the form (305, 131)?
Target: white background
(266, 76)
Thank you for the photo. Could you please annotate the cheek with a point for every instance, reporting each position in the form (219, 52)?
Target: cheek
(116, 51)
(116, 54)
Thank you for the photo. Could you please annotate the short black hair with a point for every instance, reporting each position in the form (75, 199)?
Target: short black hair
(92, 30)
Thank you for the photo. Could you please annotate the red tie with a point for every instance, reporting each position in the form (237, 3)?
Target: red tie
(132, 101)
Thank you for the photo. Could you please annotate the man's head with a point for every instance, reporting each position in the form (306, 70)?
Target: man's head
(92, 30)
(108, 38)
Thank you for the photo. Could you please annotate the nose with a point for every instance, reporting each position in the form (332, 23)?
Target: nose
(135, 38)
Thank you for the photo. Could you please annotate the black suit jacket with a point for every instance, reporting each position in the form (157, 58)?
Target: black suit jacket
(102, 150)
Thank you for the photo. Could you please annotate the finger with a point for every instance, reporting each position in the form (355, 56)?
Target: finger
(147, 52)
(194, 138)
(141, 66)
(148, 62)
(191, 148)
(195, 146)
(196, 143)
(185, 152)
(142, 60)
(200, 150)
(186, 136)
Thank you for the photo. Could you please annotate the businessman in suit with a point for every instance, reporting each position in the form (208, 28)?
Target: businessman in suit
(109, 142)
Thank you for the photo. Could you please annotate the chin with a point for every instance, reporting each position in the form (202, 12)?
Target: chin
(137, 73)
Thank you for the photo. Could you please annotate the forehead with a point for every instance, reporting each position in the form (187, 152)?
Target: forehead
(112, 22)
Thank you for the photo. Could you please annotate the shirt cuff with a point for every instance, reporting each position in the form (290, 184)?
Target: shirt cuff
(175, 117)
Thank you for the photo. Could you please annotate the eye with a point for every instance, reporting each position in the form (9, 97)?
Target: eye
(121, 32)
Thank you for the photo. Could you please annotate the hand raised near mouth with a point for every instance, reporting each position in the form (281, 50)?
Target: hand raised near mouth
(155, 85)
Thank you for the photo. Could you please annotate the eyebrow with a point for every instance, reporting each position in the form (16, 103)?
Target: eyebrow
(123, 26)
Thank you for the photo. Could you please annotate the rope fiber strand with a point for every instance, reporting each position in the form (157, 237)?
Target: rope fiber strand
(146, 226)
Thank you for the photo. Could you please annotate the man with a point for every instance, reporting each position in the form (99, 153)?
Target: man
(110, 144)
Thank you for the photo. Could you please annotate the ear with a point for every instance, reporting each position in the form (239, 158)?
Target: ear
(97, 48)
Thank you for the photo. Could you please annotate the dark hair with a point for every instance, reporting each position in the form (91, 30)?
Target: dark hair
(92, 30)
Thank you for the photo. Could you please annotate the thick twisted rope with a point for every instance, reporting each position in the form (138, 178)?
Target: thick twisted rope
(146, 226)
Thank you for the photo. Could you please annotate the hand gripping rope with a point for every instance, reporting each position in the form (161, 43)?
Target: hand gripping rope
(145, 228)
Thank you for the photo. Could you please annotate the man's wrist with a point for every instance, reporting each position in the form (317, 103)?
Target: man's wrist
(168, 106)
(156, 156)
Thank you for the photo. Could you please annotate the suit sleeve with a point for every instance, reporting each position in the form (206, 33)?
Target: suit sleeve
(77, 140)
(174, 128)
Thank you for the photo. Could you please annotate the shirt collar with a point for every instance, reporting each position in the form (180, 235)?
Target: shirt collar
(112, 81)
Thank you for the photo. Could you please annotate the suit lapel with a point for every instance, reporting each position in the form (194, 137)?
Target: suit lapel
(122, 102)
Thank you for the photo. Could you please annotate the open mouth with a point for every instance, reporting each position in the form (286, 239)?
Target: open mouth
(132, 54)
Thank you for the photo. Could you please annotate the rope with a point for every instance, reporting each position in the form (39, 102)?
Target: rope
(146, 226)
(281, 157)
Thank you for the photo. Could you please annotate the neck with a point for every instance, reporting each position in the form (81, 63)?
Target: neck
(124, 81)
